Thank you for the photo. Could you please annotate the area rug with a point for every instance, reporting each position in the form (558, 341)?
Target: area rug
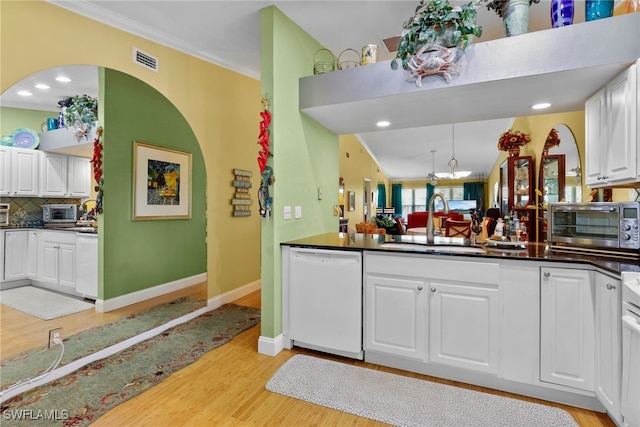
(405, 401)
(41, 303)
(83, 396)
(30, 363)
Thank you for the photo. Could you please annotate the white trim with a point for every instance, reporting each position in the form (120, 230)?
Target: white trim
(270, 346)
(232, 295)
(104, 306)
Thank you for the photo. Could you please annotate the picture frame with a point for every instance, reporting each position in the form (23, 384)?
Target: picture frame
(352, 200)
(161, 183)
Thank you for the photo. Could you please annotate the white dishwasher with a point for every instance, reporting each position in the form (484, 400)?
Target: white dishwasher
(325, 301)
(630, 396)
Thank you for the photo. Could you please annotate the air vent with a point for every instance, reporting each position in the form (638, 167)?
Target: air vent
(144, 59)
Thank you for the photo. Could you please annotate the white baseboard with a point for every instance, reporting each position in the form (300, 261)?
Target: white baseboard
(232, 295)
(104, 306)
(270, 346)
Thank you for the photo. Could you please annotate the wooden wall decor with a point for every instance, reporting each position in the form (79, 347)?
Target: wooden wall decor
(241, 201)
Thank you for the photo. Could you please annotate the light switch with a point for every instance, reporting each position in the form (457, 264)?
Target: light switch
(287, 212)
(298, 212)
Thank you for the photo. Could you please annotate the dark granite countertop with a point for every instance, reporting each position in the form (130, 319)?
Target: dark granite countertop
(83, 230)
(530, 251)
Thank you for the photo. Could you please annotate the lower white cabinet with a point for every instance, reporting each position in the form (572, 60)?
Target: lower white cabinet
(464, 326)
(32, 253)
(396, 316)
(87, 265)
(567, 327)
(608, 343)
(58, 253)
(15, 254)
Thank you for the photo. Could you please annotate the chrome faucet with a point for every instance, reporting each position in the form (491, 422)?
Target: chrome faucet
(430, 226)
(83, 210)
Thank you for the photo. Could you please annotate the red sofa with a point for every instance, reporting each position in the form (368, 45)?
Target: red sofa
(419, 219)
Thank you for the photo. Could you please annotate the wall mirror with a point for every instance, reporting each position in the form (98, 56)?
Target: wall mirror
(351, 200)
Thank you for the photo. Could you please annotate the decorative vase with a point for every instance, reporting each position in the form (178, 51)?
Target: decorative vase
(515, 16)
(632, 6)
(514, 152)
(561, 13)
(597, 9)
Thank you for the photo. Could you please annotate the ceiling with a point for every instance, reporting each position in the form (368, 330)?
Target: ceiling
(228, 33)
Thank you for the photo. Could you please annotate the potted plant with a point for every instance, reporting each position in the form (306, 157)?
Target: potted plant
(553, 140)
(514, 13)
(512, 140)
(80, 110)
(498, 6)
(437, 22)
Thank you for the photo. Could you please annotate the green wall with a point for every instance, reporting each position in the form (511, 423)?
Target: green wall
(141, 254)
(13, 118)
(305, 156)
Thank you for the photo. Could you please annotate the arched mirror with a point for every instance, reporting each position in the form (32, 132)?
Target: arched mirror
(559, 177)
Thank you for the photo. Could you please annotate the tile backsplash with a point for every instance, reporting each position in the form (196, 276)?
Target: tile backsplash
(33, 208)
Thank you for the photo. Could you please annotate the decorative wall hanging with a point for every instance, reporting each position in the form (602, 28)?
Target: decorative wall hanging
(242, 199)
(263, 137)
(96, 163)
(161, 183)
(264, 198)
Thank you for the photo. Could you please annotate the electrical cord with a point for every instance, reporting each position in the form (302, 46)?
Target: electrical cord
(43, 375)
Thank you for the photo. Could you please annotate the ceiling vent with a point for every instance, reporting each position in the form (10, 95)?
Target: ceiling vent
(144, 59)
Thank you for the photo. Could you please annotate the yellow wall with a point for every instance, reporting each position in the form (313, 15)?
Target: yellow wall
(354, 169)
(220, 105)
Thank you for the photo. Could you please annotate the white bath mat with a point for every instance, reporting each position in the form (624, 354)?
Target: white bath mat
(41, 303)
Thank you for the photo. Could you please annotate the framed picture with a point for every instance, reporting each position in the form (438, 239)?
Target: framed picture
(352, 200)
(161, 183)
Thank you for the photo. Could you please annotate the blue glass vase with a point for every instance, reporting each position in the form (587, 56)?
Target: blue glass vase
(598, 9)
(561, 13)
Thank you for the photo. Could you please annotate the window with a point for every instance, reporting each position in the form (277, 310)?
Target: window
(413, 199)
(451, 193)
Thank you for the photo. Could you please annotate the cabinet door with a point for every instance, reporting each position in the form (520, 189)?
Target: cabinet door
(15, 255)
(621, 142)
(87, 265)
(67, 269)
(395, 313)
(49, 269)
(79, 182)
(5, 171)
(53, 175)
(595, 127)
(24, 172)
(608, 343)
(32, 254)
(567, 329)
(464, 326)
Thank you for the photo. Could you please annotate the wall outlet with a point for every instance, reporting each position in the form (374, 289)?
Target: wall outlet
(54, 334)
(297, 212)
(287, 212)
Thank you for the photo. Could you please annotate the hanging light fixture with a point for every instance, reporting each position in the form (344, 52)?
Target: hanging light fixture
(432, 176)
(453, 163)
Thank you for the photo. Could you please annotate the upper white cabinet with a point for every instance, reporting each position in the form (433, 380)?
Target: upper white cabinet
(27, 173)
(567, 328)
(611, 121)
(19, 176)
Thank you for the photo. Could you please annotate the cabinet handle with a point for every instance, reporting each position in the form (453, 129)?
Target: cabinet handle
(610, 286)
(419, 287)
(433, 289)
(547, 274)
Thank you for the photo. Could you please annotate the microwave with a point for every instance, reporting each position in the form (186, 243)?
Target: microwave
(59, 214)
(599, 225)
(4, 214)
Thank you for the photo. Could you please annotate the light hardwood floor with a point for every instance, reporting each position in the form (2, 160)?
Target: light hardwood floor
(225, 387)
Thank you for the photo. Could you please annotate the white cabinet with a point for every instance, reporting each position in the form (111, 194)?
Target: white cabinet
(65, 176)
(395, 316)
(608, 343)
(611, 120)
(19, 175)
(464, 326)
(15, 254)
(53, 176)
(567, 327)
(78, 177)
(57, 255)
(32, 253)
(87, 265)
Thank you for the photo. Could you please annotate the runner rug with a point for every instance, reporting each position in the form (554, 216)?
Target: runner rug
(31, 363)
(405, 401)
(80, 398)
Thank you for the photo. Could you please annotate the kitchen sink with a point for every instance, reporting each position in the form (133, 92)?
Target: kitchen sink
(420, 247)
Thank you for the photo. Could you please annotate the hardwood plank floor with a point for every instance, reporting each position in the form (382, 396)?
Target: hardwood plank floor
(20, 331)
(226, 388)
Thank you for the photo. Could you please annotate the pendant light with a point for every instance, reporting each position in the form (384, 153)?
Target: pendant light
(432, 175)
(453, 163)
